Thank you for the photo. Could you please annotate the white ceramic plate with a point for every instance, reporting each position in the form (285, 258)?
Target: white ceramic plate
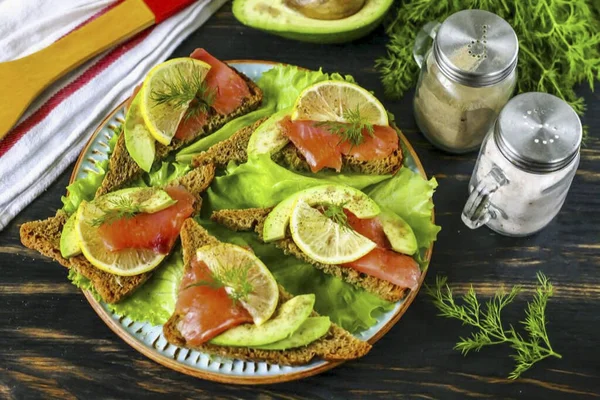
(149, 339)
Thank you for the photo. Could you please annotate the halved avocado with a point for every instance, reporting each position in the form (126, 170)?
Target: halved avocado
(276, 17)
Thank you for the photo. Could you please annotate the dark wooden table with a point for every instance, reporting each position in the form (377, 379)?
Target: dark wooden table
(53, 345)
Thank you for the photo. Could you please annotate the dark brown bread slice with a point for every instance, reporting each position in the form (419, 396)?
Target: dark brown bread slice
(234, 149)
(253, 218)
(231, 149)
(122, 168)
(336, 345)
(44, 236)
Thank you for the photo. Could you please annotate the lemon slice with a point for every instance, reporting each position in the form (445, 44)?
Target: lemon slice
(324, 240)
(162, 118)
(243, 275)
(332, 100)
(123, 262)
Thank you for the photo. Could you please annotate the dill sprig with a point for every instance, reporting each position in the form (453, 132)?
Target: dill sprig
(488, 320)
(117, 208)
(335, 212)
(559, 43)
(234, 280)
(352, 130)
(186, 90)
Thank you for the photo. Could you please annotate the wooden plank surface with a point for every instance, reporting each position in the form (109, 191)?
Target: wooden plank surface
(55, 346)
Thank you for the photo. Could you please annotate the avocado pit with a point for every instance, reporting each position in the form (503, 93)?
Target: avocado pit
(326, 9)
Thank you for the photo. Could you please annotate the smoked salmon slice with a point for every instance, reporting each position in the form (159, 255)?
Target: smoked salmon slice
(323, 149)
(317, 145)
(229, 88)
(382, 262)
(383, 142)
(205, 311)
(157, 231)
(189, 126)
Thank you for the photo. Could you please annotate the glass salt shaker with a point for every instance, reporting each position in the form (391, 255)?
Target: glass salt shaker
(525, 166)
(466, 77)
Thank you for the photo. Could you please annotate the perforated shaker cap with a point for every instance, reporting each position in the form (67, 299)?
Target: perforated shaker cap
(538, 132)
(476, 48)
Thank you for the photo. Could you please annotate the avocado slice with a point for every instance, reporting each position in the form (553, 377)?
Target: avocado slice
(357, 202)
(69, 245)
(286, 321)
(139, 142)
(147, 199)
(268, 138)
(312, 329)
(399, 233)
(274, 16)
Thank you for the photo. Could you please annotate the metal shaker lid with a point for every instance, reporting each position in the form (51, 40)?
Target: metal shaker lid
(476, 48)
(538, 132)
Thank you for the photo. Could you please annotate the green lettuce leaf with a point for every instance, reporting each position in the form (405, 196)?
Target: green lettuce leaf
(354, 309)
(281, 85)
(166, 173)
(154, 302)
(82, 283)
(263, 183)
(409, 195)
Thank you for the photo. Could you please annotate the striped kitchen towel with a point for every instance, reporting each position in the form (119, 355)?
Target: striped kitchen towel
(50, 135)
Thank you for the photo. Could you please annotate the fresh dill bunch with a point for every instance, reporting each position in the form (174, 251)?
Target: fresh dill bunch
(183, 90)
(488, 320)
(118, 208)
(352, 130)
(234, 280)
(559, 43)
(335, 212)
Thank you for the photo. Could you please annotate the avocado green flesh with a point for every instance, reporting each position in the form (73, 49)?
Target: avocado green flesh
(69, 245)
(147, 200)
(139, 142)
(354, 200)
(277, 18)
(399, 233)
(287, 320)
(268, 138)
(312, 329)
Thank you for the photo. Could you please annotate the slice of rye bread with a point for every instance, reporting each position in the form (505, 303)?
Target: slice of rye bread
(231, 149)
(336, 345)
(234, 149)
(122, 168)
(44, 236)
(254, 218)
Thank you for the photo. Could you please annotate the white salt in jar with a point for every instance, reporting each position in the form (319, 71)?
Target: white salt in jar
(467, 76)
(525, 167)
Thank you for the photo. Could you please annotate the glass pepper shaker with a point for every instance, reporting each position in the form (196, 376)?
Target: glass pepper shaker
(466, 77)
(525, 166)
